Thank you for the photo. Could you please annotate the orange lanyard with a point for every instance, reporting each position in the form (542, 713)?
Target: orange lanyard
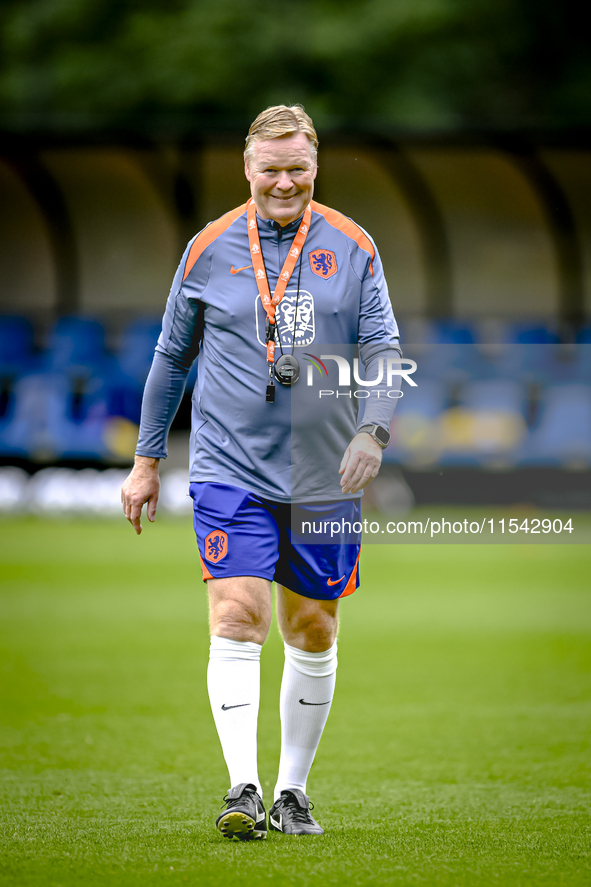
(286, 272)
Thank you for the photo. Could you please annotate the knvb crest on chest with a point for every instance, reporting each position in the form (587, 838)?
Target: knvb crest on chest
(292, 329)
(323, 262)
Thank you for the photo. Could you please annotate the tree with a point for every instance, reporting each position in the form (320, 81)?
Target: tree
(408, 63)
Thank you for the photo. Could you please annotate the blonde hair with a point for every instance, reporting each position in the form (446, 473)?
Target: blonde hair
(279, 122)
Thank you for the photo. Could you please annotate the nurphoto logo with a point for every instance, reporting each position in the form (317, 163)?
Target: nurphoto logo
(392, 369)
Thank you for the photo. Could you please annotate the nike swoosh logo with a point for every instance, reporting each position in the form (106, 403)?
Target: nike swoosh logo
(228, 707)
(234, 270)
(278, 823)
(335, 582)
(314, 703)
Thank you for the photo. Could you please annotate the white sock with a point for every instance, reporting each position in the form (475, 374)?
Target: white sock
(307, 689)
(234, 686)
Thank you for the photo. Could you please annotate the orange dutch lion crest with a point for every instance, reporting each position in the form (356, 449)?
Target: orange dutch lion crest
(323, 262)
(216, 546)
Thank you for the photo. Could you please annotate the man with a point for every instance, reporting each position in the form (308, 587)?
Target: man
(279, 273)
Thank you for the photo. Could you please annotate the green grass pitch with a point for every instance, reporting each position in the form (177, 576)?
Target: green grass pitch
(456, 753)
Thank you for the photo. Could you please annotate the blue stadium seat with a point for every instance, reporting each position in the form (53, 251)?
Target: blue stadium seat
(50, 420)
(134, 358)
(454, 332)
(503, 395)
(449, 353)
(563, 436)
(414, 440)
(136, 347)
(16, 346)
(428, 399)
(76, 345)
(488, 425)
(528, 333)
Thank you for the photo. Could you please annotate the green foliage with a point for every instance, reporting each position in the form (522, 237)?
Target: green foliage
(418, 63)
(456, 753)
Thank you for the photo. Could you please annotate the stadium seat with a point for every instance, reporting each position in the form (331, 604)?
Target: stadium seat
(76, 345)
(133, 360)
(414, 427)
(487, 426)
(50, 420)
(563, 436)
(16, 346)
(136, 347)
(528, 333)
(506, 395)
(454, 332)
(450, 354)
(427, 399)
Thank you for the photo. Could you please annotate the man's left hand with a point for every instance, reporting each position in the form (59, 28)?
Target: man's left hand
(360, 463)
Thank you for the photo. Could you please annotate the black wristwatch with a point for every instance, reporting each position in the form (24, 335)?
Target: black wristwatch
(379, 434)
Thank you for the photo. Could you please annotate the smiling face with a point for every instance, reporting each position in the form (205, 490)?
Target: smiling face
(281, 173)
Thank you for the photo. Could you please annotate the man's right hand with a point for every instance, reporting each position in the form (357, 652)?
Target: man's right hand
(141, 487)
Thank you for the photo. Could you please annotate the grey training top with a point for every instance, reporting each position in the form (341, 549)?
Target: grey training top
(336, 301)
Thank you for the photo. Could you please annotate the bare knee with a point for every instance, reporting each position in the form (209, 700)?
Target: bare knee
(239, 610)
(239, 622)
(314, 634)
(305, 623)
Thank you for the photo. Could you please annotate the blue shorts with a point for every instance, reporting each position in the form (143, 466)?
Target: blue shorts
(242, 534)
